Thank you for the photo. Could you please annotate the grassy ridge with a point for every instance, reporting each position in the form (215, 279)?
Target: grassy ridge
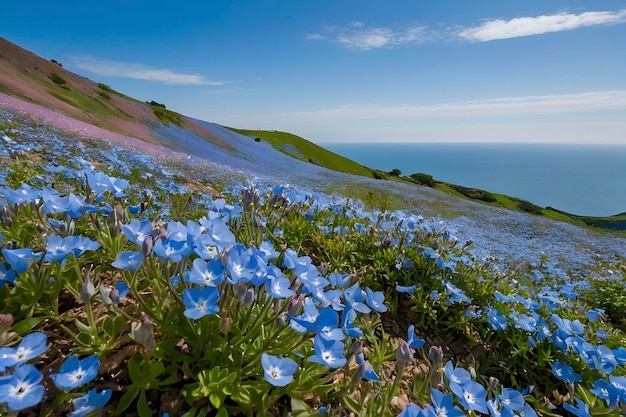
(305, 150)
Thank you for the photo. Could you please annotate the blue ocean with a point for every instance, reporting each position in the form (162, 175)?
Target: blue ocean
(580, 179)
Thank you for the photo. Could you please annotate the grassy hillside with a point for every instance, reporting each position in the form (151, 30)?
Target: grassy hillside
(305, 150)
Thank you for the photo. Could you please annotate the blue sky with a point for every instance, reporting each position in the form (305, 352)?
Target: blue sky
(353, 71)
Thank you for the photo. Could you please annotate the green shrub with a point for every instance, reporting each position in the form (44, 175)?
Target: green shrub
(56, 79)
(423, 179)
(476, 194)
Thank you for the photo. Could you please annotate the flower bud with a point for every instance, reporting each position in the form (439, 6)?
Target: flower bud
(404, 355)
(295, 305)
(435, 355)
(6, 320)
(225, 323)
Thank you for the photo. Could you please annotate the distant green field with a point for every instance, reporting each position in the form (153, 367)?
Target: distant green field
(307, 151)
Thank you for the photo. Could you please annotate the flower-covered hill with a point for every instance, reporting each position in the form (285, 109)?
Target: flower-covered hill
(136, 281)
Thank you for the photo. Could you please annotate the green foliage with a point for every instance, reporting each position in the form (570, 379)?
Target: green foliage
(395, 172)
(166, 117)
(475, 194)
(423, 179)
(305, 150)
(529, 207)
(56, 79)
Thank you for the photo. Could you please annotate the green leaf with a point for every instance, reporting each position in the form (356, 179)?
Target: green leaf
(142, 405)
(215, 400)
(25, 326)
(126, 399)
(108, 326)
(352, 405)
(222, 413)
(299, 408)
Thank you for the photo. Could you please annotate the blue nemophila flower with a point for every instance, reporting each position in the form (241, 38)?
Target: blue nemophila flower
(328, 352)
(581, 409)
(619, 382)
(6, 275)
(471, 395)
(21, 390)
(90, 402)
(200, 302)
(366, 370)
(411, 410)
(219, 232)
(512, 399)
(375, 300)
(53, 202)
(241, 265)
(24, 194)
(278, 284)
(355, 298)
(328, 325)
(408, 290)
(78, 207)
(347, 323)
(20, 259)
(75, 372)
(172, 248)
(607, 391)
(207, 274)
(565, 372)
(59, 248)
(138, 231)
(307, 320)
(496, 319)
(278, 371)
(456, 294)
(128, 261)
(31, 346)
(413, 341)
(443, 404)
(454, 375)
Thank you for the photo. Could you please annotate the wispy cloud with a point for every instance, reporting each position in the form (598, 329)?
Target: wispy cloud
(543, 104)
(108, 68)
(357, 35)
(527, 26)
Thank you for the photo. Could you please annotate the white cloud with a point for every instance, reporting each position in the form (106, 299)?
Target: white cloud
(527, 26)
(315, 37)
(357, 35)
(544, 104)
(108, 68)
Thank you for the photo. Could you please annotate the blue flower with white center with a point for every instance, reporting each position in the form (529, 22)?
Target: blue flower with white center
(242, 264)
(74, 372)
(472, 396)
(512, 399)
(603, 389)
(20, 259)
(24, 194)
(90, 402)
(31, 346)
(327, 325)
(200, 302)
(278, 284)
(207, 274)
(22, 389)
(454, 375)
(138, 231)
(375, 300)
(278, 371)
(443, 404)
(328, 352)
(128, 261)
(565, 372)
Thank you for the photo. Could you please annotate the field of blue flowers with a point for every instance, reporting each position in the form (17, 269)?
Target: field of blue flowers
(124, 291)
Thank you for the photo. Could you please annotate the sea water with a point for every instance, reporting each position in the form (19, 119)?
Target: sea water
(586, 180)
